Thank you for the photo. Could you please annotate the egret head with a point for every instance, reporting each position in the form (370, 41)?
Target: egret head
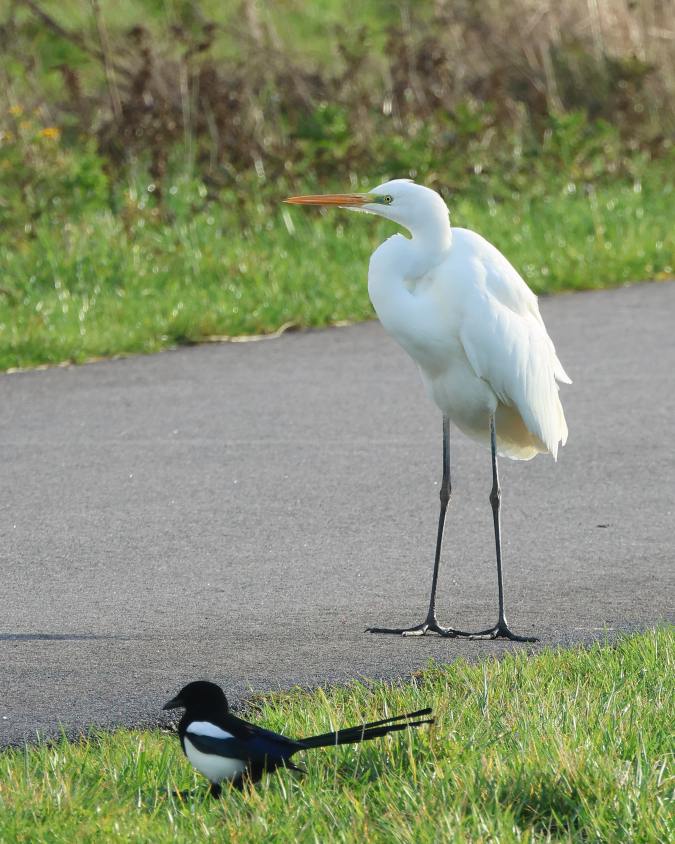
(412, 206)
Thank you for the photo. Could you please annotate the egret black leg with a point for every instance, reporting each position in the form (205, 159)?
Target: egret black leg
(216, 789)
(501, 628)
(430, 624)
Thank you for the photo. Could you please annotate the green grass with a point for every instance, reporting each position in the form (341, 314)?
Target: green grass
(560, 155)
(306, 26)
(114, 283)
(570, 745)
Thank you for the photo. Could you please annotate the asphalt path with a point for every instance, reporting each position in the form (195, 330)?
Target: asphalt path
(241, 512)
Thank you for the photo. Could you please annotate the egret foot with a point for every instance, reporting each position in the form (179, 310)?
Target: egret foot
(501, 631)
(431, 625)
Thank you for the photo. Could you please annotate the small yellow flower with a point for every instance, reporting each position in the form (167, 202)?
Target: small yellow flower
(51, 132)
(15, 110)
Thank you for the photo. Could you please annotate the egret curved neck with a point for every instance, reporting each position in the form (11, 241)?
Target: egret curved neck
(432, 237)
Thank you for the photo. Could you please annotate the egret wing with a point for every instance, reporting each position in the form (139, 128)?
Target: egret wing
(507, 345)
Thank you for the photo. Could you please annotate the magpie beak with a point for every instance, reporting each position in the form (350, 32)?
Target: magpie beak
(225, 748)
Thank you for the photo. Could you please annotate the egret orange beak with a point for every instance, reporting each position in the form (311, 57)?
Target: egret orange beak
(344, 200)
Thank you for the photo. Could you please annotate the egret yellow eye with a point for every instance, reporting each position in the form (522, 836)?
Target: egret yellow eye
(387, 199)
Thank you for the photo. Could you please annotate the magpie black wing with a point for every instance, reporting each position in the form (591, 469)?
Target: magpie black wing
(241, 740)
(252, 732)
(230, 748)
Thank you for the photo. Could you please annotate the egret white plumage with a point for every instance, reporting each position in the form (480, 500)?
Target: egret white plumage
(470, 322)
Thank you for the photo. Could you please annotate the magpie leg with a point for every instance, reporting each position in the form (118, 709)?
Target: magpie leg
(501, 629)
(185, 794)
(430, 624)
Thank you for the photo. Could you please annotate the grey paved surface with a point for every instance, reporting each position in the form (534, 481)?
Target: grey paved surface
(243, 512)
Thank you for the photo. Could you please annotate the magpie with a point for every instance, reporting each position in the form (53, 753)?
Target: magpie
(227, 749)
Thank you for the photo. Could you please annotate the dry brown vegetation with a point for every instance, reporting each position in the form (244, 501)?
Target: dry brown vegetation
(431, 77)
(145, 145)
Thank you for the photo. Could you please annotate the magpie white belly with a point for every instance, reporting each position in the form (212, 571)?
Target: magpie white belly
(215, 768)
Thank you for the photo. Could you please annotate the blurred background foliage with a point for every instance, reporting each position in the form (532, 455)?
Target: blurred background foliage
(171, 128)
(470, 95)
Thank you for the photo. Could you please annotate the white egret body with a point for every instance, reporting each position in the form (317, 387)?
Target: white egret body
(473, 326)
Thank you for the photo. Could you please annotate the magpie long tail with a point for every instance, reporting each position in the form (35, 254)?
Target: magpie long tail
(371, 730)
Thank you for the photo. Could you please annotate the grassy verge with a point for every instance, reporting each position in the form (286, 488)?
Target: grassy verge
(110, 283)
(571, 745)
(144, 148)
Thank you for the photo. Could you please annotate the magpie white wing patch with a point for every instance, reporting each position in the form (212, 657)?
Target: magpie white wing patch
(215, 768)
(206, 728)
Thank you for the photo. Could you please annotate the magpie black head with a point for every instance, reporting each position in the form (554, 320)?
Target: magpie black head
(200, 695)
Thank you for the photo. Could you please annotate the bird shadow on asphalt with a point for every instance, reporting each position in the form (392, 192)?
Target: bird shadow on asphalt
(60, 637)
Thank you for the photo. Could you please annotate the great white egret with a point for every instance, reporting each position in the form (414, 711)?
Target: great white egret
(467, 318)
